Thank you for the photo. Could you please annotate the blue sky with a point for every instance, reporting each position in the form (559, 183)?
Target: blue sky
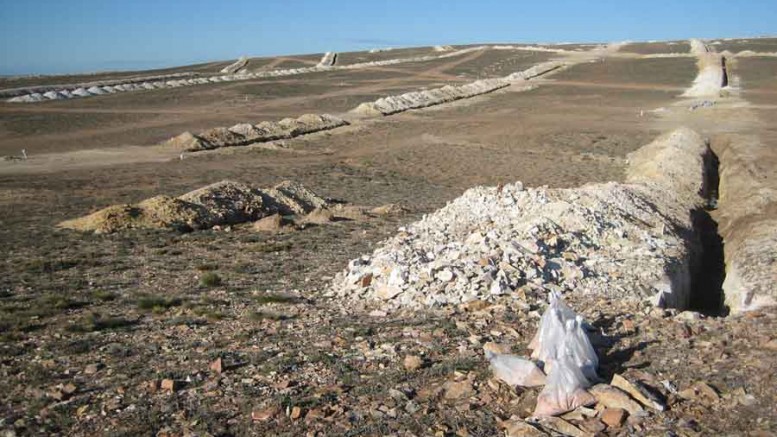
(58, 36)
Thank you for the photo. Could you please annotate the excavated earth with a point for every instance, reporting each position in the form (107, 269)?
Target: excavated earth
(223, 311)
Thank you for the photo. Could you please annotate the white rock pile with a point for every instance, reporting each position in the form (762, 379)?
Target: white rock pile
(236, 66)
(422, 99)
(245, 133)
(61, 92)
(328, 60)
(537, 70)
(449, 93)
(40, 94)
(711, 79)
(619, 240)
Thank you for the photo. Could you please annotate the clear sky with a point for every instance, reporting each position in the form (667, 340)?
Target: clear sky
(58, 36)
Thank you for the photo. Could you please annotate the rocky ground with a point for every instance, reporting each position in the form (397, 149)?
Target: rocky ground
(231, 331)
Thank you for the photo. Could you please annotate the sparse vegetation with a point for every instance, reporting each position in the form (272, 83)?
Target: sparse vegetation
(206, 267)
(158, 303)
(272, 246)
(96, 322)
(104, 296)
(270, 298)
(210, 279)
(268, 315)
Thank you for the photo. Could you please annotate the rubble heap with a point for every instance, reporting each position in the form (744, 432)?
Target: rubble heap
(238, 73)
(422, 99)
(328, 60)
(630, 240)
(245, 133)
(425, 98)
(747, 225)
(537, 70)
(221, 203)
(712, 78)
(236, 66)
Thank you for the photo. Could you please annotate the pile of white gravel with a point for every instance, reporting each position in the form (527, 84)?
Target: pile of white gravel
(243, 134)
(630, 240)
(449, 93)
(328, 60)
(235, 66)
(233, 72)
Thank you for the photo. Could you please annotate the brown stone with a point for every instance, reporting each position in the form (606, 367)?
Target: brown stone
(217, 365)
(475, 305)
(366, 280)
(592, 425)
(170, 385)
(91, 369)
(314, 414)
(611, 397)
(496, 348)
(69, 389)
(320, 216)
(271, 223)
(152, 386)
(458, 389)
(413, 363)
(613, 417)
(771, 344)
(638, 391)
(265, 414)
(296, 412)
(563, 427)
(700, 392)
(519, 428)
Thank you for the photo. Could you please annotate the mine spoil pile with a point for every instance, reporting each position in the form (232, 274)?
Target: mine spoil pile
(236, 66)
(245, 133)
(449, 93)
(238, 71)
(221, 203)
(632, 240)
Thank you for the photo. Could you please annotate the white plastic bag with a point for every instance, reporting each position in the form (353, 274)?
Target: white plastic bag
(551, 326)
(551, 338)
(565, 389)
(515, 371)
(577, 344)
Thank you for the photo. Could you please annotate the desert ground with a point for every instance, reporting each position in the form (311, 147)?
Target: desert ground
(232, 330)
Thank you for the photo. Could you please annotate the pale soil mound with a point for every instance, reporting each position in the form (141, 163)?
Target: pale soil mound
(290, 198)
(748, 205)
(227, 202)
(328, 60)
(422, 99)
(222, 203)
(617, 240)
(236, 66)
(711, 79)
(273, 223)
(389, 209)
(234, 72)
(673, 163)
(244, 133)
(448, 93)
(154, 213)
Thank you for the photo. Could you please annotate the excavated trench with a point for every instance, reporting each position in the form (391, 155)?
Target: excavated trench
(724, 82)
(708, 266)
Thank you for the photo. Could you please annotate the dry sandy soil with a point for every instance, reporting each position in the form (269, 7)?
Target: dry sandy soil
(89, 324)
